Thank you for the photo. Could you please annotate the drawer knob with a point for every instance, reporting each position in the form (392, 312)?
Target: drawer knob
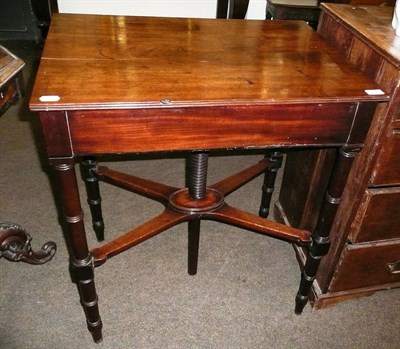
(394, 268)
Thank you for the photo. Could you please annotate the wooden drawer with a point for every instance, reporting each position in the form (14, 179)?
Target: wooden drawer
(366, 265)
(378, 217)
(387, 170)
(10, 78)
(8, 95)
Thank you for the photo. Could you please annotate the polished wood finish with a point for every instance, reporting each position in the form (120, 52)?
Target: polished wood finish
(190, 66)
(141, 85)
(181, 207)
(367, 219)
(377, 203)
(11, 81)
(368, 263)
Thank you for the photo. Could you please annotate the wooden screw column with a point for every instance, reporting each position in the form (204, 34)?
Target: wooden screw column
(197, 183)
(81, 260)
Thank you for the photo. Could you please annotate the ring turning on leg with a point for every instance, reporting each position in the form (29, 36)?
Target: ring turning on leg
(88, 166)
(82, 262)
(275, 158)
(320, 237)
(192, 204)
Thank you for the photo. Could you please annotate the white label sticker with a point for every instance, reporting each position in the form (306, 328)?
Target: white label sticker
(49, 98)
(376, 92)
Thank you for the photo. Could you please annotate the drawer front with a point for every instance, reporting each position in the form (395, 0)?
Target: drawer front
(366, 265)
(378, 217)
(387, 169)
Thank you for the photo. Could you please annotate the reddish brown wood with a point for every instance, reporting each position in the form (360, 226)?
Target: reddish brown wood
(11, 80)
(230, 184)
(368, 224)
(364, 35)
(166, 84)
(165, 220)
(387, 170)
(183, 58)
(145, 187)
(181, 207)
(301, 202)
(365, 25)
(222, 127)
(56, 133)
(81, 260)
(370, 264)
(234, 216)
(9, 93)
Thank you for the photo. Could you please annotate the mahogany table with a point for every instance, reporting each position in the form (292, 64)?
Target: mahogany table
(109, 85)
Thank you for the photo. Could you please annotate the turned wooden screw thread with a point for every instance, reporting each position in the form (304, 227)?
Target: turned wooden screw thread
(197, 174)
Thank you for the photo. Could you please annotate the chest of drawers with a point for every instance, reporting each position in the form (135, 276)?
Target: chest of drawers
(365, 252)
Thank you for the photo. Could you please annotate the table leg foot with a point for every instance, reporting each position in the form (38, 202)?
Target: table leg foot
(83, 272)
(96, 334)
(301, 302)
(193, 245)
(319, 246)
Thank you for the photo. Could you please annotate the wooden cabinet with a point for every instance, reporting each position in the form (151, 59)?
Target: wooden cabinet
(365, 238)
(11, 82)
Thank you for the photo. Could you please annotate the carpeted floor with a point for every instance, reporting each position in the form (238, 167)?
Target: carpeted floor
(242, 296)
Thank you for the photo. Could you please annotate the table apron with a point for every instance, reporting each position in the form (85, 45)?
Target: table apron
(86, 132)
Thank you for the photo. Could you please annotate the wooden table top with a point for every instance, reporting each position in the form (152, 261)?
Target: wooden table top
(115, 62)
(373, 23)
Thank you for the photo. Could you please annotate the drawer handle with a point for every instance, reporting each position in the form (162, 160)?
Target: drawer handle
(394, 268)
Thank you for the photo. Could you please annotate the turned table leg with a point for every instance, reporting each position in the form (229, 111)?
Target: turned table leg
(88, 165)
(275, 158)
(320, 237)
(81, 260)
